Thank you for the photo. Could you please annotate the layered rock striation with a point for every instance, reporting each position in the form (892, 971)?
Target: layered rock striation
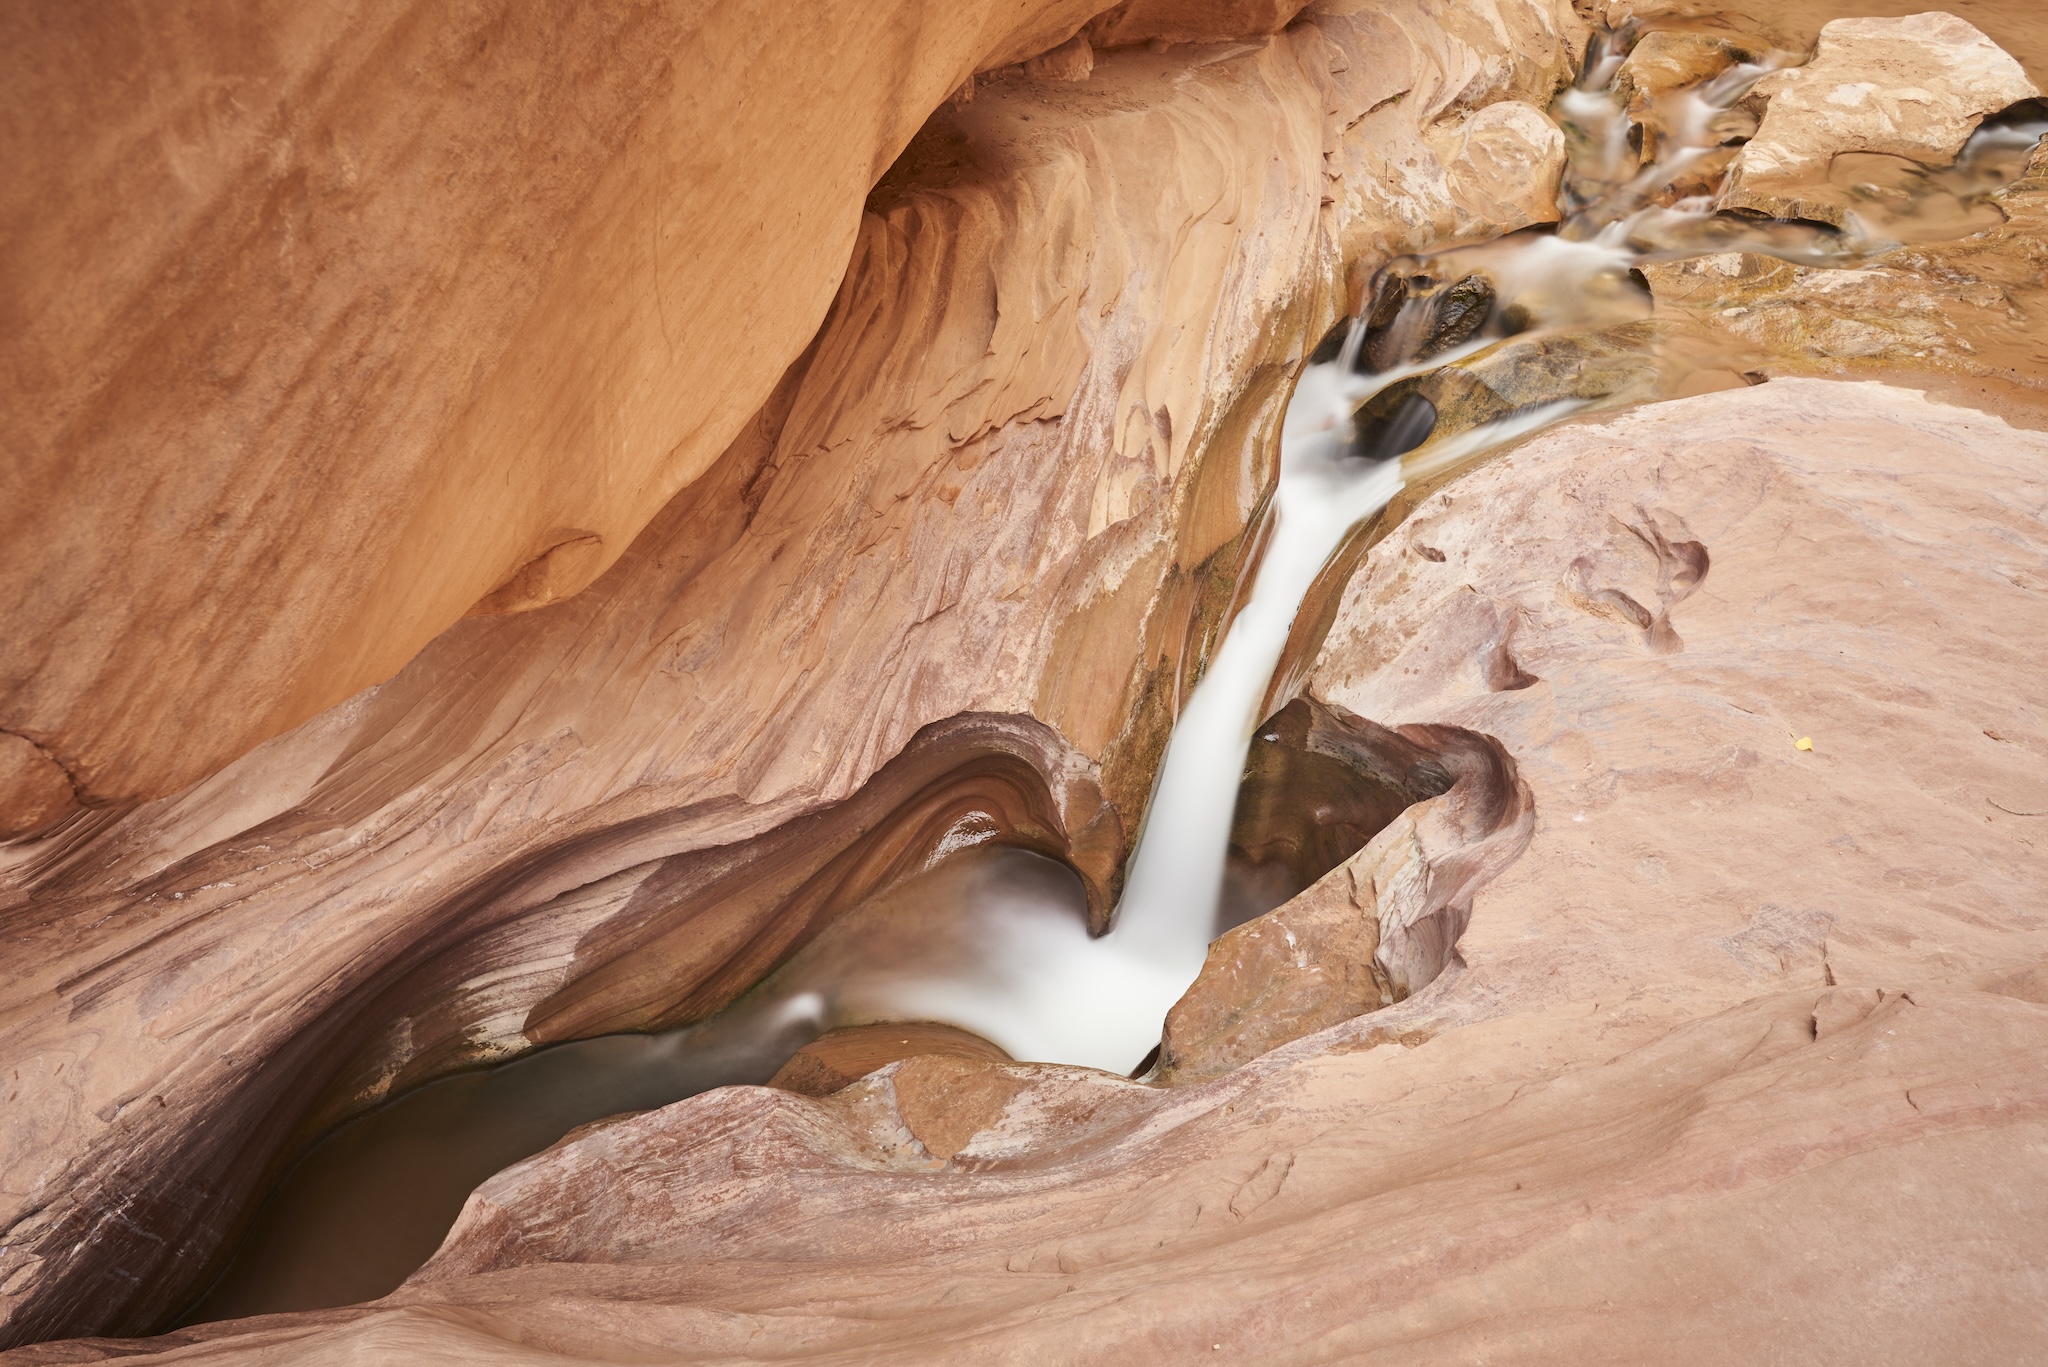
(1737, 1001)
(1002, 493)
(1654, 830)
(325, 328)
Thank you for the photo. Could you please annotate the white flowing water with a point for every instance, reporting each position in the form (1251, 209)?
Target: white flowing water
(1016, 965)
(1011, 960)
(1037, 984)
(994, 940)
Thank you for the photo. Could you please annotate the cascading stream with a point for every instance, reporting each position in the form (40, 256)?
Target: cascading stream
(1041, 987)
(995, 941)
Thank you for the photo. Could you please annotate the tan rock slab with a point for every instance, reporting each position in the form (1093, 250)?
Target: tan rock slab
(1913, 87)
(841, 1057)
(1504, 161)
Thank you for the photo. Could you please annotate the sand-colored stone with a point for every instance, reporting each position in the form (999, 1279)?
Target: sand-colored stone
(1165, 22)
(39, 792)
(996, 505)
(1073, 60)
(323, 325)
(1738, 1060)
(1664, 61)
(2018, 26)
(1504, 160)
(839, 1058)
(1403, 102)
(1914, 87)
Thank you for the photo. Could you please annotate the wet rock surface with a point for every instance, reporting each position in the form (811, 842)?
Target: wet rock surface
(840, 1058)
(1915, 87)
(1969, 305)
(1604, 367)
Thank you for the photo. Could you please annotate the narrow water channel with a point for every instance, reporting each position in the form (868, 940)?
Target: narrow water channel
(371, 1201)
(995, 941)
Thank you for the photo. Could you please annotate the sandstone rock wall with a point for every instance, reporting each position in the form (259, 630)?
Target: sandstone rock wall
(323, 323)
(1741, 1058)
(1009, 478)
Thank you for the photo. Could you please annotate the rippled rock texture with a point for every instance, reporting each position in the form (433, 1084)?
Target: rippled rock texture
(945, 582)
(1697, 949)
(328, 326)
(1738, 1059)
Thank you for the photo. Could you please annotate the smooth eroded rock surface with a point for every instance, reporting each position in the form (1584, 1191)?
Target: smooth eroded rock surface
(839, 1058)
(1739, 1059)
(946, 583)
(323, 326)
(1914, 87)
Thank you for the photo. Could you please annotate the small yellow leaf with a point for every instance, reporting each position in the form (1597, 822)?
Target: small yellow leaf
(1803, 743)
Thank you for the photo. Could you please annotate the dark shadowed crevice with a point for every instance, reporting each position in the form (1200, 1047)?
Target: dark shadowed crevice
(1317, 786)
(1383, 917)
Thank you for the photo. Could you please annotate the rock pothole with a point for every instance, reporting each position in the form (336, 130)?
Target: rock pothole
(1384, 920)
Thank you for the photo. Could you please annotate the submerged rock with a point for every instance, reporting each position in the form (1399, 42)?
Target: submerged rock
(1600, 367)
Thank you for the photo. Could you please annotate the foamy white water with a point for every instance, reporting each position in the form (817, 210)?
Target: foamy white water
(1324, 491)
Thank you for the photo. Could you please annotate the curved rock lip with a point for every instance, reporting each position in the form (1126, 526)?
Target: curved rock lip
(1667, 1030)
(1010, 476)
(661, 961)
(1374, 931)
